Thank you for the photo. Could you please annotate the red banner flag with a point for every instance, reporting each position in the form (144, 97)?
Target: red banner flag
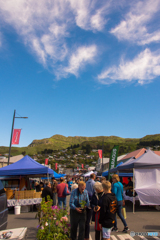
(82, 165)
(100, 153)
(46, 161)
(56, 164)
(16, 136)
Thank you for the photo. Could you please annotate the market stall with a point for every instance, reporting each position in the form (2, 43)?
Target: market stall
(24, 167)
(146, 177)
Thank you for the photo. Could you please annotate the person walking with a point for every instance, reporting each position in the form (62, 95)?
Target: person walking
(54, 190)
(70, 184)
(96, 203)
(90, 188)
(77, 215)
(117, 189)
(60, 189)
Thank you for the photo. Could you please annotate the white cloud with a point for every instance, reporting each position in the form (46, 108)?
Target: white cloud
(80, 57)
(45, 26)
(41, 24)
(143, 68)
(135, 27)
(90, 14)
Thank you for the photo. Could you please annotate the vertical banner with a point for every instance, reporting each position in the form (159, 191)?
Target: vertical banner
(16, 136)
(46, 161)
(113, 159)
(56, 164)
(82, 165)
(100, 153)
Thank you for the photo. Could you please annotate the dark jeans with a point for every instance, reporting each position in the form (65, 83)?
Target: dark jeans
(77, 219)
(87, 223)
(119, 212)
(98, 235)
(54, 198)
(62, 200)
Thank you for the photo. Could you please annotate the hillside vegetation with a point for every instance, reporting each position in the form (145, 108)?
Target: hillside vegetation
(58, 142)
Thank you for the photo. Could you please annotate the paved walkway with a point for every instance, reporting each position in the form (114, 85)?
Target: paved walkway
(145, 219)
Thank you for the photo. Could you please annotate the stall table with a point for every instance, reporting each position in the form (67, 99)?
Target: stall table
(23, 202)
(18, 233)
(125, 197)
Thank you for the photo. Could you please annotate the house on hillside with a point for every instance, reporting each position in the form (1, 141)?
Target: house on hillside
(94, 150)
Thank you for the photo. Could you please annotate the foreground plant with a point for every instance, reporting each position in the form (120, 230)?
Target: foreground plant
(53, 222)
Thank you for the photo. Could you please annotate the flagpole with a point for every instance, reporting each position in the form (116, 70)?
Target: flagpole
(102, 154)
(14, 116)
(11, 136)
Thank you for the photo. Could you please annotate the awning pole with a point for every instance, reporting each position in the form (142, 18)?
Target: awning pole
(133, 192)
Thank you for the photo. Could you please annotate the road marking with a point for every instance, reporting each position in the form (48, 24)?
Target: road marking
(113, 237)
(125, 236)
(142, 237)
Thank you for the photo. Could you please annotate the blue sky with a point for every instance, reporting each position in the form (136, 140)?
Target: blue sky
(79, 68)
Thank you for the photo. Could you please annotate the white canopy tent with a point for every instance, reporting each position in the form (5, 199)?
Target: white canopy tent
(146, 177)
(87, 174)
(147, 186)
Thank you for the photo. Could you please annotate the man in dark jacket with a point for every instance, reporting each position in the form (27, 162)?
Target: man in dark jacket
(108, 210)
(47, 191)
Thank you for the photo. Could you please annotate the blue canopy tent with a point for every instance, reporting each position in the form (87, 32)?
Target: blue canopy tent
(62, 175)
(25, 167)
(56, 175)
(105, 174)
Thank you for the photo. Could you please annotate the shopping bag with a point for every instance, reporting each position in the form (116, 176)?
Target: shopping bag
(124, 213)
(66, 191)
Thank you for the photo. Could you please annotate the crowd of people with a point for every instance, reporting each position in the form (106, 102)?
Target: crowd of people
(94, 199)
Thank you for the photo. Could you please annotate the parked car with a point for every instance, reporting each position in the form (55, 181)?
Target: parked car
(3, 208)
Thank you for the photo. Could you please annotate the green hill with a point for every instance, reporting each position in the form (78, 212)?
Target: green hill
(58, 142)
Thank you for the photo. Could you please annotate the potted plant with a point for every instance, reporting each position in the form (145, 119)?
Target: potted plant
(83, 205)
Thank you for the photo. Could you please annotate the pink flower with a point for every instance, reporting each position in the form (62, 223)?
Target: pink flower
(65, 230)
(64, 219)
(57, 222)
(54, 207)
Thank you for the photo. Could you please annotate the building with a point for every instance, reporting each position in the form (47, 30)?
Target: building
(123, 158)
(135, 154)
(106, 163)
(4, 161)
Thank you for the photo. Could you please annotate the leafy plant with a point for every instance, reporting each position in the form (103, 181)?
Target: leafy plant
(83, 204)
(53, 222)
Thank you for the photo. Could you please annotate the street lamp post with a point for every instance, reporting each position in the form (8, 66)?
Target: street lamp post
(14, 116)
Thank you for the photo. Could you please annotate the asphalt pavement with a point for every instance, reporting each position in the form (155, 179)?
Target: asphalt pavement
(145, 219)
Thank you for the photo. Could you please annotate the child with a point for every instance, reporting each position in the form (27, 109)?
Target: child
(108, 210)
